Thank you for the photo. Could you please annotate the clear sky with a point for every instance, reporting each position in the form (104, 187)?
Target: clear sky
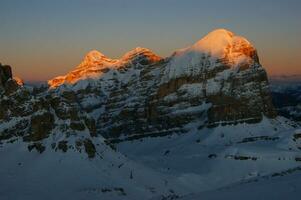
(41, 39)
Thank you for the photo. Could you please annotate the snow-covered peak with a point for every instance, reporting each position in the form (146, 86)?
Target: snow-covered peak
(137, 50)
(219, 47)
(215, 42)
(94, 55)
(95, 58)
(139, 53)
(93, 65)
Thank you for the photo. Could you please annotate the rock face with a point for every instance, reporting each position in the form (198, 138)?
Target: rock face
(7, 82)
(5, 74)
(217, 80)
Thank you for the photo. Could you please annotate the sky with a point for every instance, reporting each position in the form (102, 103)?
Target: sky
(42, 39)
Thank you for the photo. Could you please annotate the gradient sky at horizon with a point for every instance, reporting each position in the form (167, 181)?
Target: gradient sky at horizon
(41, 39)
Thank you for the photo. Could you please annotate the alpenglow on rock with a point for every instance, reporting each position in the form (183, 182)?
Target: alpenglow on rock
(216, 81)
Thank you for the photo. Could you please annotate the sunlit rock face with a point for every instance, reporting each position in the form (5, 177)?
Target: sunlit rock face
(217, 80)
(92, 66)
(95, 64)
(140, 56)
(18, 80)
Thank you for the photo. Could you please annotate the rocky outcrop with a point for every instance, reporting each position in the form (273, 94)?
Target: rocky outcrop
(7, 83)
(5, 74)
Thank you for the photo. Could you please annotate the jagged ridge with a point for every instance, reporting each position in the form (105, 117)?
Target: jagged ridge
(95, 64)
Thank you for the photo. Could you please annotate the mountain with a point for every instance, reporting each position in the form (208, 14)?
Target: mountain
(147, 127)
(96, 64)
(144, 94)
(286, 93)
(285, 79)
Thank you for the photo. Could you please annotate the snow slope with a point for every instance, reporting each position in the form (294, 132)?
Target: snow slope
(287, 186)
(187, 165)
(60, 175)
(227, 156)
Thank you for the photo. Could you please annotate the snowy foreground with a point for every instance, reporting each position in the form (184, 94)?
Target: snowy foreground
(249, 161)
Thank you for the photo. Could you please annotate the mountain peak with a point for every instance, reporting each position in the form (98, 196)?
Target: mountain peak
(220, 32)
(137, 51)
(94, 55)
(93, 64)
(218, 48)
(139, 54)
(218, 42)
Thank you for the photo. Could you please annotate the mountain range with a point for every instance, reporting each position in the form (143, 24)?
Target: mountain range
(201, 122)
